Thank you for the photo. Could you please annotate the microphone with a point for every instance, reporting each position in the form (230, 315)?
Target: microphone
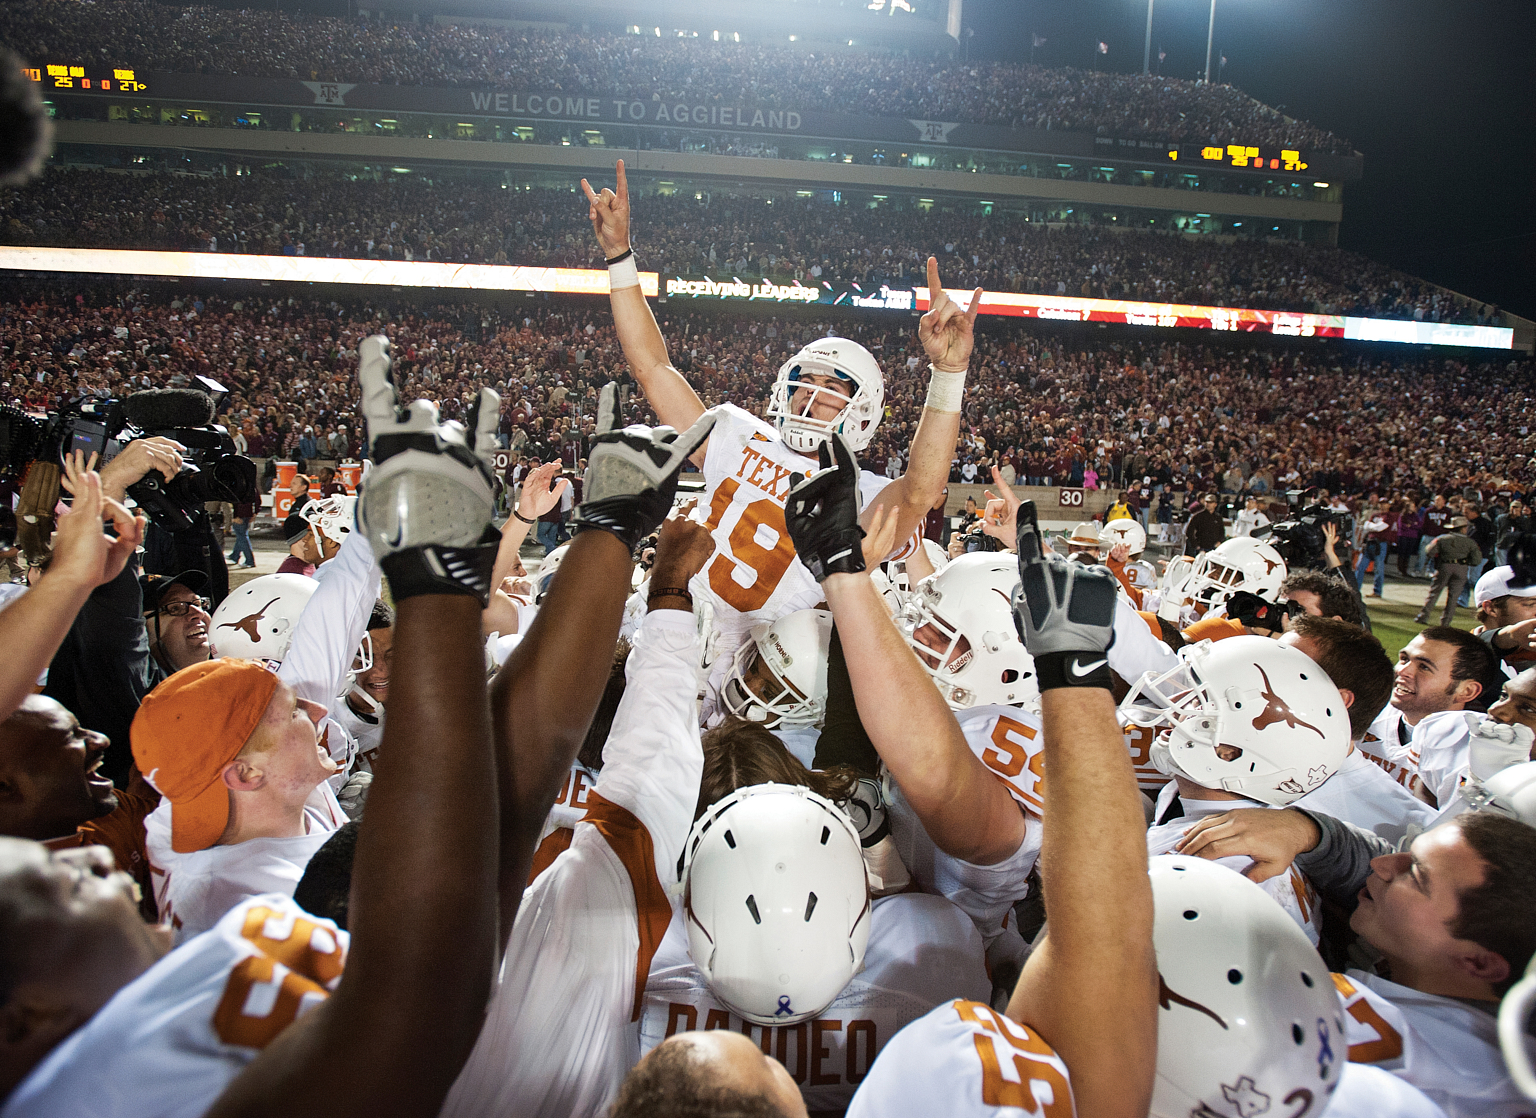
(26, 133)
(161, 408)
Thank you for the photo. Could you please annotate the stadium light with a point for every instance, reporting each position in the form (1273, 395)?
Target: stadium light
(1146, 50)
(1210, 34)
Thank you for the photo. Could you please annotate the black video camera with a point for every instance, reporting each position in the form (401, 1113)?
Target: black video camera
(211, 470)
(1299, 539)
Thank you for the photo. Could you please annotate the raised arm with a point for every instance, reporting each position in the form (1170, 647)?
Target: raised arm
(967, 813)
(329, 631)
(423, 918)
(948, 335)
(670, 395)
(539, 493)
(543, 697)
(1091, 987)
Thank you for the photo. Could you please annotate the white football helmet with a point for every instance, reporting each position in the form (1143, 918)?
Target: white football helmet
(776, 902)
(1241, 563)
(960, 623)
(1244, 715)
(546, 572)
(779, 676)
(257, 620)
(1249, 1021)
(1511, 792)
(331, 517)
(362, 663)
(1126, 531)
(860, 411)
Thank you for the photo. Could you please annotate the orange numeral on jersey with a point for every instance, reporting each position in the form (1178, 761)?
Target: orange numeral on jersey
(1387, 1046)
(1010, 754)
(1036, 1077)
(746, 553)
(265, 993)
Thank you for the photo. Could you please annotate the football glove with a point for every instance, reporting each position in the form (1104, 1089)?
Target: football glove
(1065, 612)
(426, 505)
(632, 473)
(822, 513)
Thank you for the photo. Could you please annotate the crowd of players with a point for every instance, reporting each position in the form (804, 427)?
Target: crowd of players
(752, 805)
(275, 44)
(1155, 417)
(784, 239)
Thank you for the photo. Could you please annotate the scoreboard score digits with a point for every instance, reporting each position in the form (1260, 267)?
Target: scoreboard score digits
(54, 76)
(1242, 156)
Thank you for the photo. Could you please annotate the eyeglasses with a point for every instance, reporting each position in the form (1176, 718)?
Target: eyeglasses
(181, 609)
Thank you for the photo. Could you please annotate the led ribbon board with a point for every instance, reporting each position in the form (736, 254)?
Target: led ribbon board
(314, 269)
(1294, 323)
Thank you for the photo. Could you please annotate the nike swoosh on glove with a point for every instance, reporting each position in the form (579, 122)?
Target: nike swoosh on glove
(1065, 612)
(632, 473)
(426, 505)
(822, 513)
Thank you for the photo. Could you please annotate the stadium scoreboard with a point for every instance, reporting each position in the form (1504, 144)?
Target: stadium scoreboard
(1242, 156)
(72, 76)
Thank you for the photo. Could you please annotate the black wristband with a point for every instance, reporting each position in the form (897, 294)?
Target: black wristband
(1073, 669)
(521, 517)
(668, 592)
(434, 569)
(621, 257)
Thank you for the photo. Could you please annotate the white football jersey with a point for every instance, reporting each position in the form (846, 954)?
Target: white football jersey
(1362, 793)
(754, 574)
(1385, 746)
(366, 732)
(169, 1042)
(1291, 890)
(1446, 1048)
(1007, 741)
(193, 891)
(922, 950)
(559, 1035)
(966, 1060)
(1443, 742)
(1366, 1091)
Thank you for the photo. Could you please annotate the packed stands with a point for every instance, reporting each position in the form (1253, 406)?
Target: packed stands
(783, 239)
(156, 37)
(1047, 405)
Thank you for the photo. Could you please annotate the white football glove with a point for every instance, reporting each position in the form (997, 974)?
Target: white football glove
(1493, 746)
(426, 505)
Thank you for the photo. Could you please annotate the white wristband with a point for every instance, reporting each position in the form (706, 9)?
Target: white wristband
(623, 274)
(945, 390)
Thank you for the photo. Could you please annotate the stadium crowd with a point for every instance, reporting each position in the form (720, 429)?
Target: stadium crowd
(1049, 409)
(275, 44)
(754, 803)
(784, 238)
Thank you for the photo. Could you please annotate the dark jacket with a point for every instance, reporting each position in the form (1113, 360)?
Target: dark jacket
(1204, 532)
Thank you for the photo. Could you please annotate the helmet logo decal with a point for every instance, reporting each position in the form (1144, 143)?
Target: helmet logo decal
(1248, 1099)
(248, 624)
(1277, 710)
(784, 1010)
(1167, 998)
(1269, 565)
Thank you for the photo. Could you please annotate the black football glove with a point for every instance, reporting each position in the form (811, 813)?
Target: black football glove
(1065, 611)
(632, 474)
(1254, 612)
(822, 513)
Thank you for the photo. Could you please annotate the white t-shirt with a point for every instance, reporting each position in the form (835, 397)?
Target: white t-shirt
(1446, 1048)
(1362, 793)
(169, 1042)
(922, 950)
(1435, 754)
(1291, 890)
(754, 574)
(193, 891)
(966, 1060)
(559, 1035)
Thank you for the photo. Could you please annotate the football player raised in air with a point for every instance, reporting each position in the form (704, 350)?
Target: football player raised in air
(1081, 1028)
(832, 385)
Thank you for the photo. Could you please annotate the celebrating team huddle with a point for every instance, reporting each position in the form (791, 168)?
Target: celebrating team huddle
(803, 816)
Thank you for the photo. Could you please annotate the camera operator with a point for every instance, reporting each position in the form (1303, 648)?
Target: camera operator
(114, 652)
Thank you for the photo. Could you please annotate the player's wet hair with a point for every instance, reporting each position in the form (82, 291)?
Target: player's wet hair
(673, 1082)
(1334, 597)
(591, 752)
(738, 754)
(382, 616)
(1356, 663)
(1500, 914)
(326, 887)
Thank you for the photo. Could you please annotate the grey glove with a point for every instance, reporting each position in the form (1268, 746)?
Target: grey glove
(426, 506)
(1065, 612)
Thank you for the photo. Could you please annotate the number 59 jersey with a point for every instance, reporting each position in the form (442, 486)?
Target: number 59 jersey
(754, 574)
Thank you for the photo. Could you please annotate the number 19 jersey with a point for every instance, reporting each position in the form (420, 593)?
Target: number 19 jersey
(754, 574)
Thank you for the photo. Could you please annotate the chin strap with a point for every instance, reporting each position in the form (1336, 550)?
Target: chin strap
(375, 708)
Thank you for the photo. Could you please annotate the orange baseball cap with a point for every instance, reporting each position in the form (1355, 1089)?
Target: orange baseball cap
(185, 732)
